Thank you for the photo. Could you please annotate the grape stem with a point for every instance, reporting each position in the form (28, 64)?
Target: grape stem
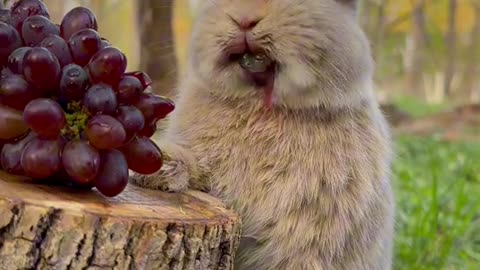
(77, 118)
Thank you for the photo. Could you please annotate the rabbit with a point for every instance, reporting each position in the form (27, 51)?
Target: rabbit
(297, 146)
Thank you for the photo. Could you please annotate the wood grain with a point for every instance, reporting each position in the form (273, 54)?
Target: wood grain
(54, 227)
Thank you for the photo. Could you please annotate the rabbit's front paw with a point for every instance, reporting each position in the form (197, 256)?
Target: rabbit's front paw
(172, 177)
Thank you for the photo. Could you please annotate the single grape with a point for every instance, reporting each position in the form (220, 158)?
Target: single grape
(128, 90)
(36, 28)
(23, 9)
(142, 76)
(143, 156)
(105, 132)
(58, 47)
(105, 43)
(15, 60)
(77, 19)
(154, 107)
(15, 92)
(112, 178)
(42, 69)
(11, 155)
(60, 178)
(45, 117)
(107, 66)
(2, 143)
(6, 72)
(11, 123)
(74, 82)
(81, 161)
(148, 130)
(41, 158)
(10, 40)
(5, 16)
(77, 186)
(131, 119)
(83, 45)
(100, 98)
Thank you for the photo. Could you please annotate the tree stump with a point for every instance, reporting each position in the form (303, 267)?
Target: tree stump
(53, 227)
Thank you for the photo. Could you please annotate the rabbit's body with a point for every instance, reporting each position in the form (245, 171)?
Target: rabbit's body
(310, 175)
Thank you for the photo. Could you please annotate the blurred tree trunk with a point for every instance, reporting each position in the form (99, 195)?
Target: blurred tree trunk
(415, 52)
(380, 29)
(450, 43)
(365, 16)
(56, 9)
(471, 67)
(157, 50)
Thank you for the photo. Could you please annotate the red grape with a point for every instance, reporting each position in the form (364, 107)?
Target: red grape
(41, 158)
(15, 60)
(128, 90)
(107, 66)
(154, 107)
(105, 43)
(58, 47)
(148, 130)
(10, 40)
(105, 132)
(74, 82)
(15, 92)
(100, 98)
(11, 155)
(5, 15)
(81, 161)
(36, 28)
(6, 72)
(23, 9)
(142, 76)
(143, 156)
(77, 186)
(42, 69)
(83, 45)
(45, 117)
(77, 19)
(131, 119)
(11, 123)
(112, 178)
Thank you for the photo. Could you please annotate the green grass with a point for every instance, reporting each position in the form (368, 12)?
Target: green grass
(437, 189)
(418, 108)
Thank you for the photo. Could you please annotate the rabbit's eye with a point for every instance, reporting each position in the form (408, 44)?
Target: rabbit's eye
(255, 62)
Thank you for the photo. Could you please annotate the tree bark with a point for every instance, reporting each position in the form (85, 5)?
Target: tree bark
(52, 227)
(415, 52)
(380, 29)
(450, 43)
(471, 67)
(157, 50)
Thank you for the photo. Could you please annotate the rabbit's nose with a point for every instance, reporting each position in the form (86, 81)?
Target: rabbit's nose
(246, 23)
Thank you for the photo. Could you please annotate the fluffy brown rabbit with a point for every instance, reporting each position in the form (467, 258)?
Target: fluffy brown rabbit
(299, 148)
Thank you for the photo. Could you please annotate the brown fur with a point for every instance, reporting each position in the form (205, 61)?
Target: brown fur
(310, 177)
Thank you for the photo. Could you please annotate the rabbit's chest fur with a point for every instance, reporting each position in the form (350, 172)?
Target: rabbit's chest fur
(323, 171)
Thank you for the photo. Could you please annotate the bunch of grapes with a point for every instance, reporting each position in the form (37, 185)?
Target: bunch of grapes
(68, 107)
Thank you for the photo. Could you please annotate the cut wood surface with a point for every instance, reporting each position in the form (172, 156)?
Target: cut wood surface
(53, 227)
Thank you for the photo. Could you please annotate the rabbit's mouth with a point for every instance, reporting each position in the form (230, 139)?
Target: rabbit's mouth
(258, 70)
(258, 67)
